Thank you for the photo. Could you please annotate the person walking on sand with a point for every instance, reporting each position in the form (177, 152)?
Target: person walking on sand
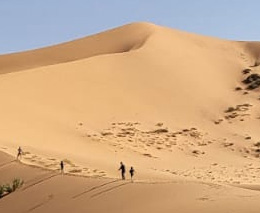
(131, 171)
(122, 168)
(19, 153)
(62, 167)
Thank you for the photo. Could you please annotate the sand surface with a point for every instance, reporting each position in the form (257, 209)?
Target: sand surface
(49, 191)
(170, 103)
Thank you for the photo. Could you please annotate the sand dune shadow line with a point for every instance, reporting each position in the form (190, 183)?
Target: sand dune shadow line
(39, 182)
(7, 163)
(110, 189)
(38, 205)
(37, 178)
(93, 188)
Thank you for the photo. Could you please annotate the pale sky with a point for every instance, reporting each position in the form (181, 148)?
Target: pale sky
(30, 24)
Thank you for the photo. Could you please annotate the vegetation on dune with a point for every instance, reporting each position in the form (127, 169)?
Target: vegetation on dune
(2, 190)
(9, 188)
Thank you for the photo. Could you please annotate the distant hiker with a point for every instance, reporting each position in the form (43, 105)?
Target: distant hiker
(19, 153)
(62, 167)
(122, 168)
(131, 171)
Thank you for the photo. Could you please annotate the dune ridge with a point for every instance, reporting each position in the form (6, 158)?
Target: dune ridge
(132, 36)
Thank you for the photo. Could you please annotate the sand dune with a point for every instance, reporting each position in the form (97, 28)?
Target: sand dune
(175, 105)
(118, 40)
(48, 191)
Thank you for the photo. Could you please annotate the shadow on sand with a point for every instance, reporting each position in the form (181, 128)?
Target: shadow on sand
(95, 188)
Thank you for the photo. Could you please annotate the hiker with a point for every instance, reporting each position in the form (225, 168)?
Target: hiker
(19, 154)
(62, 167)
(131, 171)
(122, 168)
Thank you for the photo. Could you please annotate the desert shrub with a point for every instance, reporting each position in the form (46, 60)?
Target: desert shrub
(17, 183)
(246, 71)
(2, 190)
(158, 131)
(198, 152)
(251, 78)
(159, 124)
(9, 188)
(106, 133)
(257, 144)
(230, 109)
(254, 85)
(238, 88)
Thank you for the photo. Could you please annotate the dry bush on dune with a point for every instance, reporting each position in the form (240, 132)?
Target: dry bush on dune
(253, 81)
(158, 131)
(9, 188)
(17, 183)
(246, 71)
(230, 109)
(257, 144)
(238, 88)
(2, 190)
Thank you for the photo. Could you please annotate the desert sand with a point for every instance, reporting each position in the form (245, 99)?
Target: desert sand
(49, 191)
(183, 109)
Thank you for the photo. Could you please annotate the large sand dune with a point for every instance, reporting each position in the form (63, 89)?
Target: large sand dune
(170, 103)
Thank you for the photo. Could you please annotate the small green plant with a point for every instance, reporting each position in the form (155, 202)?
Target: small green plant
(17, 183)
(2, 190)
(9, 188)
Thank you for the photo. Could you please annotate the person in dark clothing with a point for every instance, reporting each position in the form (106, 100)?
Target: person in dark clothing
(19, 154)
(122, 168)
(131, 171)
(62, 167)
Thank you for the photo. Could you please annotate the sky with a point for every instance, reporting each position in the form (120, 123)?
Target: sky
(31, 24)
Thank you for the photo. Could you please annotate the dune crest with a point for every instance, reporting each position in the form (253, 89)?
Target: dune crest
(122, 39)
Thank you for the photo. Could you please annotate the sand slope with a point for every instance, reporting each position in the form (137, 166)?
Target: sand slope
(46, 191)
(170, 103)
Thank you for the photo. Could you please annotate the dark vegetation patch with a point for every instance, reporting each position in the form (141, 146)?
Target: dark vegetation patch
(239, 107)
(246, 71)
(238, 88)
(252, 81)
(9, 188)
(158, 131)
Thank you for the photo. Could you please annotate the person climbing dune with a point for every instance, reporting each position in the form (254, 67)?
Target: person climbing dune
(122, 168)
(62, 167)
(132, 171)
(19, 153)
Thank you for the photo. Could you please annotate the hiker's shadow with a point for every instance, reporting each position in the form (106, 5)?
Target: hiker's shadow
(110, 189)
(100, 187)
